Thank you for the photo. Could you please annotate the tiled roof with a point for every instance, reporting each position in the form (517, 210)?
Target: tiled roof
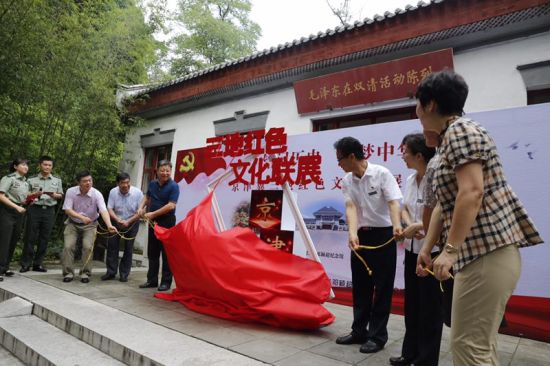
(294, 43)
(328, 211)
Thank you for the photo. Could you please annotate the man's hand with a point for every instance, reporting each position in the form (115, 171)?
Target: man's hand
(112, 229)
(424, 260)
(398, 232)
(443, 264)
(21, 210)
(353, 242)
(141, 212)
(86, 220)
(123, 223)
(148, 216)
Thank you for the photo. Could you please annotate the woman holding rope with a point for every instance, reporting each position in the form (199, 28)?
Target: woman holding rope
(372, 211)
(482, 221)
(423, 313)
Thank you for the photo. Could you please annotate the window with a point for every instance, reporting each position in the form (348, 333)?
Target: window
(392, 115)
(241, 122)
(152, 156)
(536, 77)
(538, 96)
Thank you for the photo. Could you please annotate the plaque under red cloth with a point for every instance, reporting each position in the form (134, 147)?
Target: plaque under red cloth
(279, 239)
(235, 275)
(266, 209)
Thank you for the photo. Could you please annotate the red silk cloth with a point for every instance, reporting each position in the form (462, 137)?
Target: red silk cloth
(235, 275)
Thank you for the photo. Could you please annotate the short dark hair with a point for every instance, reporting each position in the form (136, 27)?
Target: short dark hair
(416, 142)
(44, 158)
(16, 162)
(81, 174)
(349, 145)
(164, 162)
(122, 176)
(447, 89)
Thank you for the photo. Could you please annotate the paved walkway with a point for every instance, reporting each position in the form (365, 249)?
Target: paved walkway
(271, 345)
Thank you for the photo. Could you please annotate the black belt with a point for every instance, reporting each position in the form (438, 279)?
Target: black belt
(373, 228)
(44, 207)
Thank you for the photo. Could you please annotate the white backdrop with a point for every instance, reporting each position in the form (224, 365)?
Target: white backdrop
(521, 135)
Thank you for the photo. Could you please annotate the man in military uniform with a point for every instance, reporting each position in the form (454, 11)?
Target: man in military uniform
(40, 216)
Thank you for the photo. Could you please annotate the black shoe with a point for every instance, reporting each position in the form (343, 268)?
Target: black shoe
(24, 269)
(164, 287)
(107, 276)
(8, 273)
(39, 269)
(123, 279)
(370, 347)
(350, 339)
(148, 285)
(400, 361)
(67, 279)
(84, 280)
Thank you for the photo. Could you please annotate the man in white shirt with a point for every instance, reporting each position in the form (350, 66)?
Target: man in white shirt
(123, 206)
(373, 214)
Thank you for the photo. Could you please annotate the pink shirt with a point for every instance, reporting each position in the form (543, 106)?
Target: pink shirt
(89, 204)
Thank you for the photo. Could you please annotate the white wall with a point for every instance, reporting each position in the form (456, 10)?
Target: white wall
(490, 71)
(492, 75)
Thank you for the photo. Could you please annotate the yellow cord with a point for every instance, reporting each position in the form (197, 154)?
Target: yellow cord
(369, 247)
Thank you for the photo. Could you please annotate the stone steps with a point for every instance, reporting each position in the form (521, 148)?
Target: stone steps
(35, 342)
(119, 335)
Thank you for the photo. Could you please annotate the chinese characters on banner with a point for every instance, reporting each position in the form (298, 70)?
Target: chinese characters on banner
(272, 164)
(386, 81)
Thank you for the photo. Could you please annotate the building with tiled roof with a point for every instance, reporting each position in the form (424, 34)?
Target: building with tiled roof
(501, 47)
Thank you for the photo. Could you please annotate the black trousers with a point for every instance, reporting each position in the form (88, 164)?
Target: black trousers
(40, 221)
(423, 315)
(155, 249)
(113, 247)
(11, 224)
(372, 295)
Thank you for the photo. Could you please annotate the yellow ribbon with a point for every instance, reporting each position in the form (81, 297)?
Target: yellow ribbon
(369, 247)
(433, 274)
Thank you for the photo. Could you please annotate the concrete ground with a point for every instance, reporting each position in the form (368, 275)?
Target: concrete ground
(263, 343)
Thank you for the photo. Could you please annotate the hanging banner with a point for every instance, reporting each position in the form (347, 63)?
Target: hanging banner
(374, 83)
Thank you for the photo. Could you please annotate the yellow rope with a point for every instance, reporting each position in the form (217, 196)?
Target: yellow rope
(433, 274)
(369, 247)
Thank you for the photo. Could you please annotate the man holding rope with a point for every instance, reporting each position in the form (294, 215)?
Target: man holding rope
(160, 202)
(123, 208)
(83, 206)
(372, 198)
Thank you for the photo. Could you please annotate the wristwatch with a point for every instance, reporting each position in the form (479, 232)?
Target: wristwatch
(451, 249)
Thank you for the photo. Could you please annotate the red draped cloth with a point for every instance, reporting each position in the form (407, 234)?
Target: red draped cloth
(234, 275)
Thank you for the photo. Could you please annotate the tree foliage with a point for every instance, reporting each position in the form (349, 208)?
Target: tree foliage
(214, 31)
(60, 64)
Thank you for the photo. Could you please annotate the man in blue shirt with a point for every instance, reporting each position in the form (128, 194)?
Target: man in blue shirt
(160, 200)
(123, 205)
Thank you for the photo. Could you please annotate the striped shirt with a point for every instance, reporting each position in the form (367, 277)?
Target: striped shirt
(502, 220)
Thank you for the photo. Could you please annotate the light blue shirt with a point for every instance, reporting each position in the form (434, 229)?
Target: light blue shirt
(125, 205)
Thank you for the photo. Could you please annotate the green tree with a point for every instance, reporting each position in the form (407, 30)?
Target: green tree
(214, 31)
(60, 64)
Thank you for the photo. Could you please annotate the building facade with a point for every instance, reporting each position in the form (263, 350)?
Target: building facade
(502, 48)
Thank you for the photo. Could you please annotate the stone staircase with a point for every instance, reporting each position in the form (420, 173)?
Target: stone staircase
(44, 325)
